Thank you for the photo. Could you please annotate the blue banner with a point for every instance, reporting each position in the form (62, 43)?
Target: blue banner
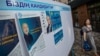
(58, 36)
(29, 5)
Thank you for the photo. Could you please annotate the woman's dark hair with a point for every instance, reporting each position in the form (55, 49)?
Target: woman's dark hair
(85, 21)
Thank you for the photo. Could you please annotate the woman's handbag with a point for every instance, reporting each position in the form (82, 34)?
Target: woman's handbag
(87, 46)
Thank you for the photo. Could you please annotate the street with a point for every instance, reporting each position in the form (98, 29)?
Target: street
(77, 50)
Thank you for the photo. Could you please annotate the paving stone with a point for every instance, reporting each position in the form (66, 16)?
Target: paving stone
(77, 44)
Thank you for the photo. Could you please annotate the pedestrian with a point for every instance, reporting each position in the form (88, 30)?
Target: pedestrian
(88, 35)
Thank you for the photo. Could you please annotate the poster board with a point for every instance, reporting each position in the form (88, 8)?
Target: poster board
(40, 28)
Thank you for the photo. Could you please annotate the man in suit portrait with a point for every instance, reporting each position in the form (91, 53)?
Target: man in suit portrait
(8, 29)
(28, 37)
(49, 28)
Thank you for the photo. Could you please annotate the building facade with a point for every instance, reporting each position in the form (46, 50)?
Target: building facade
(86, 9)
(62, 1)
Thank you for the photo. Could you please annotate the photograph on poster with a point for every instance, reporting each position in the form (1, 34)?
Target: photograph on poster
(54, 20)
(31, 28)
(8, 36)
(49, 27)
(58, 36)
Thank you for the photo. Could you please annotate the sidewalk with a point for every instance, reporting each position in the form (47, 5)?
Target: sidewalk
(77, 44)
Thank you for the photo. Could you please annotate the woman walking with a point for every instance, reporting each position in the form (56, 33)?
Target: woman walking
(88, 35)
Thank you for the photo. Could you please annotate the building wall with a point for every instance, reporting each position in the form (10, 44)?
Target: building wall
(62, 1)
(82, 14)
